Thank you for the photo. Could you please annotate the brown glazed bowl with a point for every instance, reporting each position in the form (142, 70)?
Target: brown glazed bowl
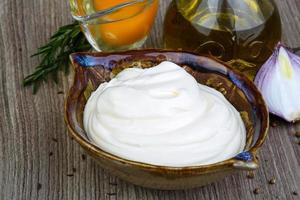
(92, 69)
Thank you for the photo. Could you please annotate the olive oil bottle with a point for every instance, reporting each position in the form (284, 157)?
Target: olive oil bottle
(240, 32)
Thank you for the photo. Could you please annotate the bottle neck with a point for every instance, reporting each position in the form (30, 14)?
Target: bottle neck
(258, 10)
(188, 6)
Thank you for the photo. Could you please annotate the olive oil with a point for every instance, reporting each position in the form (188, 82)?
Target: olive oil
(242, 33)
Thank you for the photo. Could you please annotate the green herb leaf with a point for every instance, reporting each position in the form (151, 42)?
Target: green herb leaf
(55, 54)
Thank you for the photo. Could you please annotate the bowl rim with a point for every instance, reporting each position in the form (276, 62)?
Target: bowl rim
(226, 164)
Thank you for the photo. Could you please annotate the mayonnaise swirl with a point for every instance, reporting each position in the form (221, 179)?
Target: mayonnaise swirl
(162, 116)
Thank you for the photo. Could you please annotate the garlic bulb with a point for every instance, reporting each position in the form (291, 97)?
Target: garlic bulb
(279, 82)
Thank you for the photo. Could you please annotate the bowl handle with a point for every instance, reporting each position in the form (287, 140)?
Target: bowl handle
(246, 161)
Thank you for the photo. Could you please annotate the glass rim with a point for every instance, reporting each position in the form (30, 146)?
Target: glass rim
(94, 16)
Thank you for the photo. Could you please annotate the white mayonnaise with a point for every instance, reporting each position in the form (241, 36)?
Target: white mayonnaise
(162, 116)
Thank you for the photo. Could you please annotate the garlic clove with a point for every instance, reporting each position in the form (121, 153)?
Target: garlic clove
(279, 82)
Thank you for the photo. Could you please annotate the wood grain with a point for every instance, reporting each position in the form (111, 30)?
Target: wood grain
(39, 161)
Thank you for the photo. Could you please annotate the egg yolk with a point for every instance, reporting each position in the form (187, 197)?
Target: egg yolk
(129, 25)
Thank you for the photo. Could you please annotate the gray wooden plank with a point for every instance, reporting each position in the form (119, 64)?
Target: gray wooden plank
(35, 149)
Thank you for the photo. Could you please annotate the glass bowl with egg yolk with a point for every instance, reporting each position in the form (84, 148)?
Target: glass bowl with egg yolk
(112, 25)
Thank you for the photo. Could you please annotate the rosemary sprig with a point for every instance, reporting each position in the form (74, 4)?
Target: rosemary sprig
(55, 54)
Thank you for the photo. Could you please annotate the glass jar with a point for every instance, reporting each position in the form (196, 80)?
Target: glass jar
(240, 32)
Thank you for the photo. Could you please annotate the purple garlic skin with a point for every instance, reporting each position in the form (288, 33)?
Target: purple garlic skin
(279, 82)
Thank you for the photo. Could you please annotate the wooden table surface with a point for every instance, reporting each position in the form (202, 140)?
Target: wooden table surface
(39, 161)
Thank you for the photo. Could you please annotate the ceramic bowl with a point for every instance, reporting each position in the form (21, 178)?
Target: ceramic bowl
(92, 69)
